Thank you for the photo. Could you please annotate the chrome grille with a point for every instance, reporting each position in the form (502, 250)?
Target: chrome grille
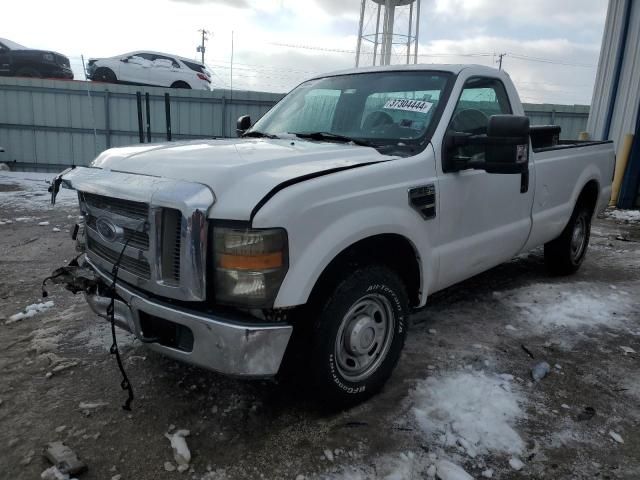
(176, 254)
(126, 208)
(164, 258)
(139, 267)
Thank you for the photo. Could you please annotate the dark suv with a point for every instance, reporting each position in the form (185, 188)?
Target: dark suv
(19, 61)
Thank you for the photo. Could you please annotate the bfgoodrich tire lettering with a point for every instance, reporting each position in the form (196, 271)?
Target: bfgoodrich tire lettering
(358, 336)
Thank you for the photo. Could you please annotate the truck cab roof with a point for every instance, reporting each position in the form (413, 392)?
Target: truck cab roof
(439, 67)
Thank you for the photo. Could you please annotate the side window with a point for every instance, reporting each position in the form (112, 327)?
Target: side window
(163, 60)
(481, 97)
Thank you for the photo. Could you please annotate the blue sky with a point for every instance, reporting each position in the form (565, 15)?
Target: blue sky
(539, 36)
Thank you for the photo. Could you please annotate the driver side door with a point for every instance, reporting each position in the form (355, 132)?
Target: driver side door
(484, 218)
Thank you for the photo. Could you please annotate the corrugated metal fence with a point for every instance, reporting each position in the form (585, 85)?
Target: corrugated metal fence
(48, 125)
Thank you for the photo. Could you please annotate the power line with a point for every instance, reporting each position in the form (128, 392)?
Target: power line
(547, 60)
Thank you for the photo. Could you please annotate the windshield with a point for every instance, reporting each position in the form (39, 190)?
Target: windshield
(12, 45)
(388, 108)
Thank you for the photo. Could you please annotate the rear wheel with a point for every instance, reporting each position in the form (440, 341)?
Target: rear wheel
(28, 72)
(180, 84)
(565, 254)
(104, 74)
(358, 336)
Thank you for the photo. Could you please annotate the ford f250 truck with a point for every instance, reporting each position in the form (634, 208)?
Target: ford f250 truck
(312, 237)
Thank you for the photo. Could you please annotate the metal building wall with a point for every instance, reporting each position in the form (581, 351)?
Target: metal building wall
(46, 124)
(627, 92)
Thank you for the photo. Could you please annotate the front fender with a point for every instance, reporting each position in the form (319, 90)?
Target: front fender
(310, 260)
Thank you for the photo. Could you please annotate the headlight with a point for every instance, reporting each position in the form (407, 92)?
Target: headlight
(250, 265)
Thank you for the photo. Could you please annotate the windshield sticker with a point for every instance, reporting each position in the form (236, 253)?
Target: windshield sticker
(419, 106)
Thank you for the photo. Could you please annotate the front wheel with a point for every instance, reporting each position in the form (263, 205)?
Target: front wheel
(358, 336)
(565, 254)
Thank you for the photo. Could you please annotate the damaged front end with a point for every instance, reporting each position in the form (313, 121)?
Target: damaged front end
(143, 267)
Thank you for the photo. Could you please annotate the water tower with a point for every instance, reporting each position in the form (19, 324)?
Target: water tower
(388, 32)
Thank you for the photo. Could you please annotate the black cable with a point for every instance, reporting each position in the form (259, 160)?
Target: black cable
(125, 384)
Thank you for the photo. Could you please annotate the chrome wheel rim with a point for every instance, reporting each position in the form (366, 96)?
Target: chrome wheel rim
(364, 337)
(578, 238)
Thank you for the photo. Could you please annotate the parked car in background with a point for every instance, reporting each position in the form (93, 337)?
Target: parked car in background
(150, 68)
(19, 61)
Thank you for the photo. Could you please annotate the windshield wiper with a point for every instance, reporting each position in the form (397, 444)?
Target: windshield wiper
(333, 136)
(258, 134)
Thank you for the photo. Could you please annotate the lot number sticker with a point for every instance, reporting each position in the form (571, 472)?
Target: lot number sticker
(419, 106)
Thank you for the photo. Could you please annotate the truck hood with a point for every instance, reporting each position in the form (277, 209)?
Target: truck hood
(241, 172)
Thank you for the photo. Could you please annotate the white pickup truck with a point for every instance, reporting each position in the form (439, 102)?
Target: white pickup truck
(313, 237)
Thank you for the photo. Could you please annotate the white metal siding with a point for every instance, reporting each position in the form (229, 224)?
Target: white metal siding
(628, 94)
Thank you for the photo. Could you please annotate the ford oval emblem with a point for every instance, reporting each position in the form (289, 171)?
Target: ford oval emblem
(108, 231)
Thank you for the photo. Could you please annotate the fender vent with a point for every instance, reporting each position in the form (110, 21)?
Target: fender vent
(423, 200)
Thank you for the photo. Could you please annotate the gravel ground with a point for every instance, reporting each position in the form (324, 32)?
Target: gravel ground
(461, 398)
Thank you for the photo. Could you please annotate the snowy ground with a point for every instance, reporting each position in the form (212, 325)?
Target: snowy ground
(461, 404)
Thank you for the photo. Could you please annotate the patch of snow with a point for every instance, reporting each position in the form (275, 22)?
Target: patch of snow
(30, 311)
(569, 305)
(516, 463)
(628, 215)
(33, 193)
(43, 224)
(446, 470)
(52, 473)
(181, 453)
(402, 466)
(91, 405)
(328, 454)
(98, 336)
(472, 409)
(627, 350)
(488, 473)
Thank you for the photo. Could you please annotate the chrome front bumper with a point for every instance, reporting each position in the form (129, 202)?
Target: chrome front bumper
(223, 344)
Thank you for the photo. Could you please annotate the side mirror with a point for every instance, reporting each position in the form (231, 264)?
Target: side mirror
(243, 124)
(507, 148)
(504, 149)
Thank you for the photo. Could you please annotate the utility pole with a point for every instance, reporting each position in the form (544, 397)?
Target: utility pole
(201, 48)
(500, 55)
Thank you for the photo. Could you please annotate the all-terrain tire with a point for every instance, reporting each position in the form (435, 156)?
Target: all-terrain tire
(565, 254)
(358, 336)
